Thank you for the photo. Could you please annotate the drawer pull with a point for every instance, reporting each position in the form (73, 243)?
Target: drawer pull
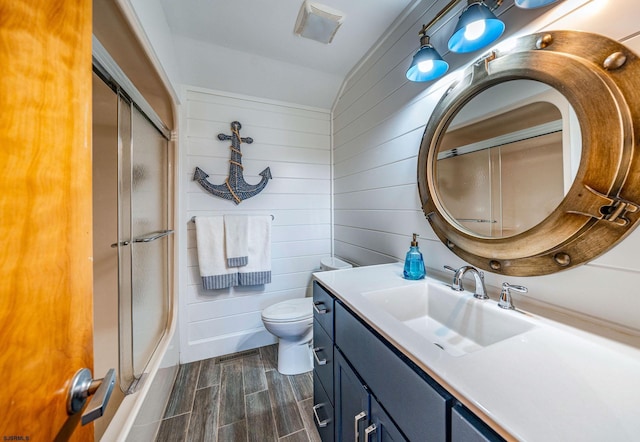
(315, 355)
(371, 429)
(356, 427)
(318, 309)
(320, 423)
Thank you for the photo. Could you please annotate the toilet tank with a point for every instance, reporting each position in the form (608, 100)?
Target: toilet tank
(332, 263)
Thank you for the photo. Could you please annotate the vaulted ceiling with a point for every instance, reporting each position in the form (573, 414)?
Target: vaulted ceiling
(265, 28)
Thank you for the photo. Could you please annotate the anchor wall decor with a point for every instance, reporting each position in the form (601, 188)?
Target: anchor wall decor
(235, 188)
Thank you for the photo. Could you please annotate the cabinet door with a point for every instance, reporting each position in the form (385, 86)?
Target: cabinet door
(381, 428)
(351, 402)
(467, 427)
(417, 403)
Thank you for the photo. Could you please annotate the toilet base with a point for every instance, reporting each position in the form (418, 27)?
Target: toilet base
(294, 358)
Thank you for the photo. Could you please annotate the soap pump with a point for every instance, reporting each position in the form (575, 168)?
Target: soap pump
(414, 263)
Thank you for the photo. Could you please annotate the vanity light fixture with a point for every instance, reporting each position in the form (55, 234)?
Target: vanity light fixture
(476, 28)
(532, 4)
(427, 64)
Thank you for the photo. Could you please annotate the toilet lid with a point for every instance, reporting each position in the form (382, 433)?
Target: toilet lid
(291, 310)
(333, 263)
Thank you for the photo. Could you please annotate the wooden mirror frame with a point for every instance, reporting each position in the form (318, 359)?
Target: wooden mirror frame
(601, 80)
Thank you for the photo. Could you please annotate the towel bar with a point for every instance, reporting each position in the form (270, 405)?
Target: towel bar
(154, 236)
(147, 238)
(193, 218)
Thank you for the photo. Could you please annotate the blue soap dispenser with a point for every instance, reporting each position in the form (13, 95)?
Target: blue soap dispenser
(414, 263)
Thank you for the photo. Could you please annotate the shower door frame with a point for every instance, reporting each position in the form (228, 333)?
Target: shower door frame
(129, 98)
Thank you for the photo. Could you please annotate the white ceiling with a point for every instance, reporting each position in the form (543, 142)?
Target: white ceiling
(265, 27)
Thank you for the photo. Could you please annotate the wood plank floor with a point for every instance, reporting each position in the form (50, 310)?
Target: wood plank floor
(237, 398)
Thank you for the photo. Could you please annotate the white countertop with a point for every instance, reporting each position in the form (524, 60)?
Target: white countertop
(552, 383)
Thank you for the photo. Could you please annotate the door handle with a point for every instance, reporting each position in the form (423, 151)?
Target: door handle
(371, 429)
(315, 356)
(83, 386)
(356, 426)
(321, 423)
(319, 310)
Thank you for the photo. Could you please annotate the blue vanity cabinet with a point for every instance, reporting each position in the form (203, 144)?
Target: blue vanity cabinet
(366, 390)
(323, 364)
(359, 416)
(467, 427)
(415, 404)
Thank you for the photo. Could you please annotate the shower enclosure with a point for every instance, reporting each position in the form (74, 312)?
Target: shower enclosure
(132, 231)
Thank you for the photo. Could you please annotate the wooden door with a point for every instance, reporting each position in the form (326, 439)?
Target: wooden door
(45, 215)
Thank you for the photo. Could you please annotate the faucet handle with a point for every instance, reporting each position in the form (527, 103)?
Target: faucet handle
(505, 295)
(457, 278)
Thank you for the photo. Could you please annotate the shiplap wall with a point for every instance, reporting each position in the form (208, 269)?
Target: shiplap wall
(294, 141)
(379, 119)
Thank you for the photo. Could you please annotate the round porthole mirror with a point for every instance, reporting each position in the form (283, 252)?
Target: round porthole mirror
(508, 158)
(528, 163)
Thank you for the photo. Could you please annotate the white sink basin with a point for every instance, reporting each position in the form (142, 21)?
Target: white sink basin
(454, 321)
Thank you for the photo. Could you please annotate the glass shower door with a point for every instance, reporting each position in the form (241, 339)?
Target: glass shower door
(144, 238)
(150, 247)
(132, 195)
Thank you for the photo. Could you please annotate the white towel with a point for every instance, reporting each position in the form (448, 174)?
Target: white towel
(258, 268)
(211, 254)
(236, 232)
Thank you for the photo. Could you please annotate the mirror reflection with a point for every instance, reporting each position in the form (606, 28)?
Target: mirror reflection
(508, 158)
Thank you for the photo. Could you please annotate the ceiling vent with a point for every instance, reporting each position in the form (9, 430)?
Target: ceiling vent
(318, 22)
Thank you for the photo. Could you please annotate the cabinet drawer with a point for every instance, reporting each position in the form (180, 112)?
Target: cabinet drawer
(416, 403)
(467, 427)
(323, 308)
(323, 358)
(322, 411)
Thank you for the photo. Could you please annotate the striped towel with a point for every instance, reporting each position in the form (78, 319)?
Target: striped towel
(211, 254)
(258, 268)
(236, 232)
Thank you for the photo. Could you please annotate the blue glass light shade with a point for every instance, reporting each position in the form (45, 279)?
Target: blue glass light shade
(477, 27)
(532, 4)
(427, 65)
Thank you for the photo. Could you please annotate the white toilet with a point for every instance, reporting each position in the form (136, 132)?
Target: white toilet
(292, 322)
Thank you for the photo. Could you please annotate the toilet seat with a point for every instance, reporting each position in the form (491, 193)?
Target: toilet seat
(289, 311)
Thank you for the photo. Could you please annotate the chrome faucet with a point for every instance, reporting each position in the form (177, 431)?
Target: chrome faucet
(505, 295)
(481, 290)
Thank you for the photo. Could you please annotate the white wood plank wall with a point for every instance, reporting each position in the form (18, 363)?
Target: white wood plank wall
(294, 141)
(379, 119)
